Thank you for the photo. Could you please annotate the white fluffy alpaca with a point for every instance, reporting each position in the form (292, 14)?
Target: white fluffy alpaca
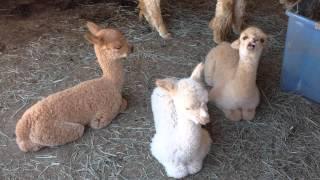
(179, 109)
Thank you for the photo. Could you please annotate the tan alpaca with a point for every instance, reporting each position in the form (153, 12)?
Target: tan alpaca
(229, 13)
(222, 22)
(60, 118)
(151, 10)
(231, 70)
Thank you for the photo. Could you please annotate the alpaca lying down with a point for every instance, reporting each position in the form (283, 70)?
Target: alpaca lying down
(231, 70)
(180, 108)
(60, 118)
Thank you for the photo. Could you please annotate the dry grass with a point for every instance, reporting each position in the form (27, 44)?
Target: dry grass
(281, 143)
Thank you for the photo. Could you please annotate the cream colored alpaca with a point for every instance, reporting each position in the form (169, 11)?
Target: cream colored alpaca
(229, 13)
(231, 70)
(61, 117)
(180, 108)
(151, 10)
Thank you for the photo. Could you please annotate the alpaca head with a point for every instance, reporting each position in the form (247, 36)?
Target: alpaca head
(110, 42)
(251, 42)
(189, 96)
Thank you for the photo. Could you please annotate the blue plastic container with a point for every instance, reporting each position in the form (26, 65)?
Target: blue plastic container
(301, 63)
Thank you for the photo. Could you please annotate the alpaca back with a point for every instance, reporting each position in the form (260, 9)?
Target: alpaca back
(86, 100)
(221, 64)
(163, 111)
(79, 104)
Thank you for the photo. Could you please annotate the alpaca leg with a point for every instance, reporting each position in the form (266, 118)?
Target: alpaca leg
(176, 170)
(233, 114)
(101, 120)
(248, 114)
(23, 135)
(28, 145)
(151, 10)
(221, 23)
(239, 11)
(196, 165)
(57, 133)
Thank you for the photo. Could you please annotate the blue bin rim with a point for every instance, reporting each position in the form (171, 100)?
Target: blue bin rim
(303, 19)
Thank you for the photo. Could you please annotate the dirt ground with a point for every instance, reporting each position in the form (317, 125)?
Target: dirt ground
(42, 50)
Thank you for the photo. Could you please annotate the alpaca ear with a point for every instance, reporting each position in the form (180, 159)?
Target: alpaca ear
(93, 28)
(166, 84)
(235, 44)
(198, 72)
(93, 39)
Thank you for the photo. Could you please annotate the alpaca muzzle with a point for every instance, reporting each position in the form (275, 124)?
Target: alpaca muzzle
(251, 45)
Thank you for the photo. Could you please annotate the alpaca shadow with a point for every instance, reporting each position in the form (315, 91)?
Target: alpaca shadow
(214, 127)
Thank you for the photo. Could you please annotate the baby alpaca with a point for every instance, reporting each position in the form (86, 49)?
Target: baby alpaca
(60, 118)
(180, 108)
(229, 13)
(232, 69)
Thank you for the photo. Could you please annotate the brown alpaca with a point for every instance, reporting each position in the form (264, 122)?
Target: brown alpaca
(229, 13)
(61, 117)
(231, 69)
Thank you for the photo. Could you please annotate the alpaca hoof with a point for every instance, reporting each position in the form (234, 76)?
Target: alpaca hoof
(234, 118)
(98, 122)
(166, 36)
(248, 119)
(248, 115)
(177, 172)
(233, 115)
(28, 146)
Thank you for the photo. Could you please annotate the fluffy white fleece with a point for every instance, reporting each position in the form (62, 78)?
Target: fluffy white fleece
(180, 144)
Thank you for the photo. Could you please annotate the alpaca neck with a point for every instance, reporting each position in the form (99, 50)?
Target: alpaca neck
(187, 130)
(247, 70)
(112, 68)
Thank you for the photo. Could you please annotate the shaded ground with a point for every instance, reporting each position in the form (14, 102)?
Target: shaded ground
(42, 50)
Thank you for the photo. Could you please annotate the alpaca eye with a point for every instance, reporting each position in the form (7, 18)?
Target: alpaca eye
(245, 37)
(117, 47)
(262, 40)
